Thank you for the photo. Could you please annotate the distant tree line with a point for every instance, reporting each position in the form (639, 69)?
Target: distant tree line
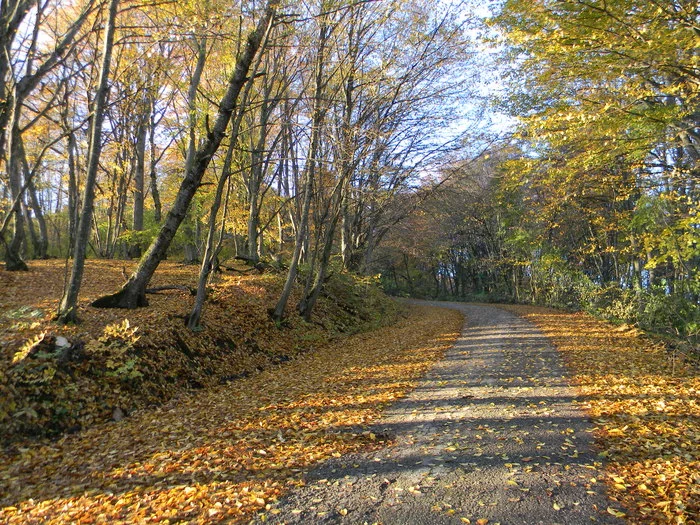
(594, 202)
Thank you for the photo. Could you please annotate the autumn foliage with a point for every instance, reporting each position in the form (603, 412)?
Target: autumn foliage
(225, 453)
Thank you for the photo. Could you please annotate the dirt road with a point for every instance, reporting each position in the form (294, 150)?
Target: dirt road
(492, 433)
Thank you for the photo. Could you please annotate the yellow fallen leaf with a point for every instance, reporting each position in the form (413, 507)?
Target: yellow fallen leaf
(343, 512)
(616, 513)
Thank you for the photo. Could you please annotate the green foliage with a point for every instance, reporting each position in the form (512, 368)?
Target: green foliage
(26, 318)
(141, 238)
(612, 302)
(554, 282)
(675, 313)
(655, 310)
(359, 303)
(116, 347)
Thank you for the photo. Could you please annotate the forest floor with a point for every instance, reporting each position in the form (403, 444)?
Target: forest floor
(492, 434)
(230, 451)
(56, 379)
(498, 412)
(506, 429)
(645, 403)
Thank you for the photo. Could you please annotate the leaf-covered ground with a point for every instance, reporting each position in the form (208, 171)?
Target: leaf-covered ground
(646, 406)
(226, 452)
(118, 361)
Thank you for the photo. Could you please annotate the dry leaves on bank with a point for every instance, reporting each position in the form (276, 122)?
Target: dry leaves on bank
(647, 410)
(118, 361)
(226, 452)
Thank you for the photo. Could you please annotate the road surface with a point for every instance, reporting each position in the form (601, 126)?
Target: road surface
(492, 434)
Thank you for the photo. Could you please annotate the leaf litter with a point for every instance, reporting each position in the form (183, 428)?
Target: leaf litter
(226, 453)
(646, 407)
(56, 379)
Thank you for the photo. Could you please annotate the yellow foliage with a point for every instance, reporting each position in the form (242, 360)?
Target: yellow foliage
(224, 453)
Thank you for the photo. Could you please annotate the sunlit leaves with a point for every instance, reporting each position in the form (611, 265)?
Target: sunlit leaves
(111, 363)
(231, 451)
(646, 405)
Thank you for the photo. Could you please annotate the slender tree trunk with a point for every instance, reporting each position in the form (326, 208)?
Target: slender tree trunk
(73, 191)
(309, 173)
(42, 242)
(155, 194)
(139, 178)
(67, 311)
(409, 280)
(210, 253)
(13, 257)
(309, 301)
(193, 321)
(278, 312)
(253, 218)
(191, 220)
(30, 228)
(133, 293)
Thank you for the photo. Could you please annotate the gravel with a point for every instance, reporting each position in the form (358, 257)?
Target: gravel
(492, 434)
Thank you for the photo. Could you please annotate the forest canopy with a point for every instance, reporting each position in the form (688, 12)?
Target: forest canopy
(594, 201)
(331, 136)
(281, 134)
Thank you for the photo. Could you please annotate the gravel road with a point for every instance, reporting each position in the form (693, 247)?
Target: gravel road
(493, 432)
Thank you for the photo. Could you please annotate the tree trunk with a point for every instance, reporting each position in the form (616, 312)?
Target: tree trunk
(139, 177)
(309, 301)
(13, 257)
(309, 173)
(253, 215)
(30, 228)
(210, 253)
(42, 246)
(67, 311)
(133, 293)
(155, 194)
(73, 191)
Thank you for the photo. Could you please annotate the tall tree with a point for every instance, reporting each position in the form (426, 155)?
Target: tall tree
(318, 114)
(16, 87)
(68, 308)
(210, 249)
(133, 293)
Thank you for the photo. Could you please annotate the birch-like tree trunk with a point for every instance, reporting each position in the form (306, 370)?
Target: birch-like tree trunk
(309, 173)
